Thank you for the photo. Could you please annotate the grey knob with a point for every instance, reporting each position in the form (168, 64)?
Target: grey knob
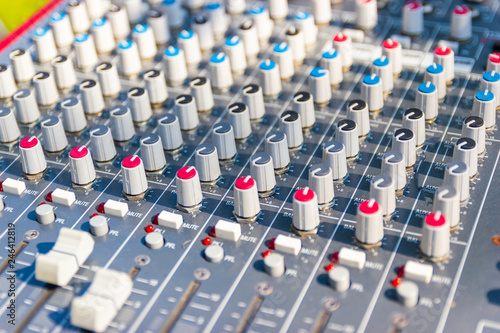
(27, 111)
(122, 125)
(321, 182)
(382, 190)
(239, 117)
(207, 162)
(159, 23)
(291, 125)
(295, 39)
(202, 92)
(262, 171)
(276, 146)
(474, 128)
(253, 97)
(188, 185)
(347, 133)
(22, 65)
(98, 226)
(170, 132)
(303, 104)
(223, 139)
(357, 111)
(32, 158)
(64, 72)
(156, 85)
(404, 142)
(414, 120)
(447, 201)
(185, 110)
(46, 90)
(334, 155)
(435, 242)
(73, 116)
(133, 176)
(248, 34)
(138, 102)
(82, 167)
(246, 198)
(305, 211)
(91, 95)
(214, 253)
(427, 100)
(7, 84)
(457, 175)
(203, 27)
(101, 143)
(394, 165)
(274, 265)
(152, 154)
(154, 240)
(339, 278)
(45, 214)
(109, 79)
(9, 131)
(466, 151)
(369, 223)
(54, 138)
(407, 294)
(119, 21)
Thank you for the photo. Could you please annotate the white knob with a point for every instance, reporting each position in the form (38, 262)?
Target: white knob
(339, 278)
(319, 83)
(95, 8)
(382, 189)
(73, 116)
(135, 10)
(274, 263)
(372, 92)
(282, 55)
(322, 11)
(276, 146)
(367, 15)
(253, 97)
(393, 51)
(235, 7)
(188, 186)
(7, 84)
(250, 38)
(32, 158)
(175, 13)
(142, 35)
(82, 167)
(334, 155)
(54, 138)
(185, 110)
(303, 104)
(104, 33)
(343, 44)
(445, 56)
(156, 85)
(203, 27)
(9, 131)
(98, 226)
(393, 164)
(64, 72)
(78, 16)
(435, 74)
(321, 182)
(108, 77)
(246, 198)
(369, 223)
(235, 51)
(473, 127)
(45, 214)
(217, 18)
(404, 142)
(427, 100)
(159, 24)
(138, 102)
(61, 26)
(414, 120)
(484, 106)
(220, 72)
(262, 21)
(383, 68)
(175, 65)
(305, 23)
(493, 62)
(291, 125)
(461, 23)
(347, 134)
(447, 201)
(101, 143)
(466, 151)
(130, 60)
(331, 61)
(491, 82)
(305, 211)
(133, 176)
(27, 111)
(86, 54)
(357, 111)
(22, 65)
(45, 45)
(152, 153)
(278, 9)
(457, 175)
(223, 139)
(46, 90)
(201, 90)
(435, 242)
(412, 18)
(118, 20)
(295, 39)
(122, 125)
(189, 42)
(239, 118)
(262, 171)
(207, 163)
(170, 132)
(407, 294)
(269, 77)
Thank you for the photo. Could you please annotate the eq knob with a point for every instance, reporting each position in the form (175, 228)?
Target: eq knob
(91, 94)
(282, 55)
(188, 185)
(235, 51)
(54, 138)
(357, 111)
(413, 18)
(109, 79)
(447, 201)
(175, 65)
(372, 92)
(331, 61)
(414, 120)
(319, 83)
(142, 35)
(223, 139)
(305, 22)
(276, 146)
(262, 171)
(382, 67)
(134, 179)
(435, 242)
(369, 223)
(343, 44)
(466, 151)
(394, 165)
(270, 79)
(122, 124)
(189, 43)
(262, 21)
(82, 167)
(367, 15)
(321, 182)
(239, 117)
(347, 134)
(207, 163)
(101, 143)
(473, 127)
(393, 51)
(156, 85)
(491, 82)
(246, 199)
(46, 89)
(202, 93)
(202, 25)
(295, 39)
(383, 191)
(129, 59)
(250, 38)
(220, 72)
(404, 142)
(435, 74)
(170, 132)
(7, 84)
(445, 56)
(140, 107)
(32, 158)
(27, 111)
(428, 101)
(253, 97)
(158, 22)
(185, 110)
(493, 62)
(103, 30)
(303, 104)
(73, 115)
(305, 211)
(278, 9)
(152, 153)
(457, 175)
(118, 21)
(291, 125)
(484, 106)
(461, 23)
(9, 130)
(45, 45)
(334, 155)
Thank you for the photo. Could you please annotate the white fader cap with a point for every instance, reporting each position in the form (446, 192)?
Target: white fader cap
(435, 242)
(305, 211)
(82, 167)
(370, 223)
(246, 198)
(133, 176)
(188, 186)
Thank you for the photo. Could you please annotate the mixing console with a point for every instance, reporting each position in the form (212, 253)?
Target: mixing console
(251, 166)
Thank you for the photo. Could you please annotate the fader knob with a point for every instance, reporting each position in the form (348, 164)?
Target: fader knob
(239, 117)
(394, 165)
(447, 201)
(473, 127)
(347, 133)
(457, 175)
(152, 153)
(156, 85)
(277, 147)
(372, 92)
(435, 242)
(369, 223)
(413, 18)
(202, 93)
(27, 111)
(133, 176)
(303, 104)
(54, 138)
(383, 191)
(484, 106)
(188, 186)
(262, 171)
(101, 143)
(223, 139)
(367, 15)
(466, 151)
(9, 130)
(32, 158)
(321, 182)
(82, 167)
(305, 211)
(207, 163)
(427, 100)
(246, 198)
(185, 110)
(138, 102)
(334, 155)
(170, 132)
(73, 116)
(461, 23)
(414, 121)
(291, 125)
(357, 111)
(91, 95)
(445, 56)
(122, 124)
(404, 142)
(253, 97)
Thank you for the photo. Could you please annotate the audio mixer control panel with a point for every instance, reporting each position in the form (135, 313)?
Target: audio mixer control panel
(251, 166)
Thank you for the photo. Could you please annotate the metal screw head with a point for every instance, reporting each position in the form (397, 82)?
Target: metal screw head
(142, 260)
(31, 234)
(264, 288)
(201, 274)
(330, 304)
